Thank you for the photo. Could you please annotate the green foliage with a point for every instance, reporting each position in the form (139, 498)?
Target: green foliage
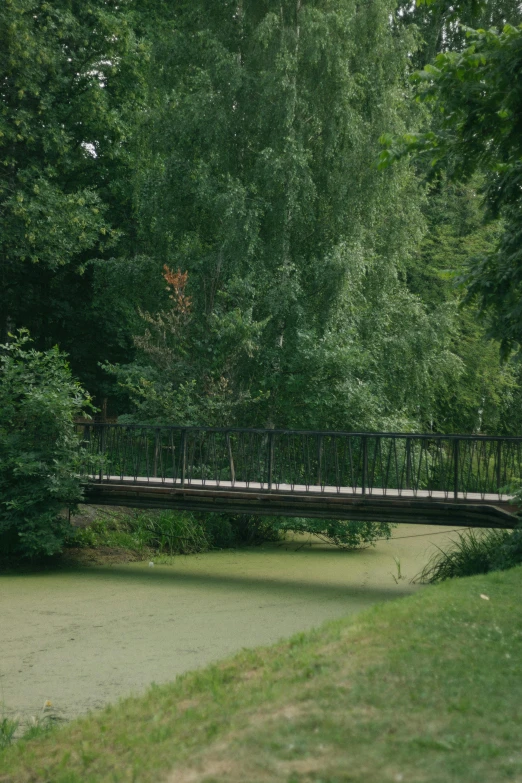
(234, 530)
(470, 554)
(475, 552)
(441, 23)
(71, 81)
(263, 189)
(8, 729)
(480, 87)
(39, 450)
(344, 534)
(485, 396)
(164, 532)
(509, 553)
(172, 532)
(139, 134)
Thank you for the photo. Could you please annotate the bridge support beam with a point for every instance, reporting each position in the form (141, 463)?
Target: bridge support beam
(317, 505)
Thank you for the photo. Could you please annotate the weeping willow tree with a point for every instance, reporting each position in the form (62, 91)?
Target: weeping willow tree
(258, 182)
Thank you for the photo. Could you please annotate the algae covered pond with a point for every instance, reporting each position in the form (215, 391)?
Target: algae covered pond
(84, 637)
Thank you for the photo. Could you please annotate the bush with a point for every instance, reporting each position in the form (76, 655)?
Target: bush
(39, 450)
(346, 534)
(175, 532)
(8, 728)
(475, 552)
(243, 529)
(164, 532)
(509, 553)
(171, 532)
(232, 530)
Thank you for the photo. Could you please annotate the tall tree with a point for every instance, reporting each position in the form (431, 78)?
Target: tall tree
(441, 23)
(259, 181)
(485, 397)
(477, 94)
(70, 79)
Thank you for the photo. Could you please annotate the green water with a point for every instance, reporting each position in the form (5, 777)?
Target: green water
(86, 637)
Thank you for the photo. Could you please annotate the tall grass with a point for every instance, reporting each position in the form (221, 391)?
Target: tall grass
(8, 728)
(172, 532)
(475, 552)
(164, 532)
(36, 726)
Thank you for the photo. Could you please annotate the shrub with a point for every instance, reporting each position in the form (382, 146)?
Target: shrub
(475, 552)
(171, 532)
(243, 529)
(231, 530)
(509, 553)
(39, 451)
(346, 534)
(479, 551)
(162, 532)
(182, 532)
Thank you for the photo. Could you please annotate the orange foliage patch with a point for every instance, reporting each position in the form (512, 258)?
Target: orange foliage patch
(177, 282)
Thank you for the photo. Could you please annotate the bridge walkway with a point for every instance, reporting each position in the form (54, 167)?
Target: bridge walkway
(397, 477)
(433, 507)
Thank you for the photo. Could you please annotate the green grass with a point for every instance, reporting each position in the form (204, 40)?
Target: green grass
(428, 688)
(474, 552)
(142, 532)
(470, 553)
(8, 729)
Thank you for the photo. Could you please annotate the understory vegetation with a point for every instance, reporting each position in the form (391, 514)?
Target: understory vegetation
(39, 451)
(475, 552)
(171, 533)
(12, 729)
(426, 688)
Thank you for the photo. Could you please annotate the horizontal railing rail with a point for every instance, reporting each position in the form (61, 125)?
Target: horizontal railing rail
(361, 463)
(195, 428)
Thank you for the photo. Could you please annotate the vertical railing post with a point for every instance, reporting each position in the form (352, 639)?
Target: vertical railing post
(319, 460)
(230, 459)
(270, 458)
(456, 469)
(172, 455)
(499, 473)
(87, 440)
(156, 450)
(183, 450)
(407, 483)
(103, 444)
(364, 464)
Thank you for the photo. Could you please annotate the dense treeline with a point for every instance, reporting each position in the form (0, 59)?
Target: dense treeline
(191, 208)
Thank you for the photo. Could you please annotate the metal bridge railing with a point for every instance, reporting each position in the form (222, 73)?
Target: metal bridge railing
(449, 466)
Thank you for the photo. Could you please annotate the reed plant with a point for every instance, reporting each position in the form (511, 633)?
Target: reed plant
(8, 729)
(474, 552)
(163, 532)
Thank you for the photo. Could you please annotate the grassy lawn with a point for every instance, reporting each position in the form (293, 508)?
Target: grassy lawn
(428, 688)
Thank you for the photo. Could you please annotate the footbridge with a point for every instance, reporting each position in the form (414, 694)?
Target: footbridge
(384, 477)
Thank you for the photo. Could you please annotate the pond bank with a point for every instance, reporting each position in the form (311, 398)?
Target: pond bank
(84, 637)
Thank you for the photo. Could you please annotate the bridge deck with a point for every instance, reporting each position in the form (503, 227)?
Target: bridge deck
(300, 489)
(430, 507)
